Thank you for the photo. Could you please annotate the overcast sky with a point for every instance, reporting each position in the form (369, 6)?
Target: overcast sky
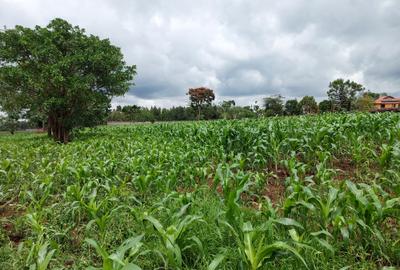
(244, 50)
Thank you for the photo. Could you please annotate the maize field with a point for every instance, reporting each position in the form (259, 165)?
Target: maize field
(307, 192)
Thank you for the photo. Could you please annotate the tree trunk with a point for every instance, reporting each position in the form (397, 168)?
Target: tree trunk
(198, 113)
(54, 128)
(57, 130)
(66, 136)
(49, 125)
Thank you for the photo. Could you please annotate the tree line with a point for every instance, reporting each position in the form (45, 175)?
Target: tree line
(343, 96)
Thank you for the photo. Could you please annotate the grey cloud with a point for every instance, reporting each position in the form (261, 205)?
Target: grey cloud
(242, 49)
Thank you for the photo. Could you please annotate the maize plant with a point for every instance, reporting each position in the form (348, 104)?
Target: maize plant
(119, 260)
(174, 237)
(317, 191)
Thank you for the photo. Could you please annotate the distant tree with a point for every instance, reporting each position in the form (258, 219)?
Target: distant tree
(62, 72)
(228, 103)
(373, 95)
(11, 121)
(365, 102)
(37, 119)
(117, 116)
(11, 103)
(343, 94)
(211, 112)
(273, 105)
(243, 112)
(325, 106)
(256, 108)
(131, 109)
(308, 105)
(292, 107)
(200, 97)
(226, 109)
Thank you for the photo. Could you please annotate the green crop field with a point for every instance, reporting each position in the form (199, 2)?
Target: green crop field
(316, 192)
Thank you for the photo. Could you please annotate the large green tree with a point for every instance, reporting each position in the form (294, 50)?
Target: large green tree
(200, 97)
(343, 94)
(273, 105)
(292, 107)
(325, 106)
(227, 110)
(308, 105)
(63, 73)
(365, 102)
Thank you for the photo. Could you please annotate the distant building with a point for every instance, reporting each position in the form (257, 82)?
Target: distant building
(387, 103)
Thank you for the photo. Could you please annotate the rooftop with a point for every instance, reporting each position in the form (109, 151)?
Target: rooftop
(387, 99)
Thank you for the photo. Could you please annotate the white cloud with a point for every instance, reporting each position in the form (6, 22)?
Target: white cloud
(242, 49)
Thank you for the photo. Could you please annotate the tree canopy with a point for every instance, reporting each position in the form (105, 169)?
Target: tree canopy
(292, 107)
(325, 106)
(273, 105)
(365, 102)
(343, 94)
(308, 105)
(61, 72)
(200, 97)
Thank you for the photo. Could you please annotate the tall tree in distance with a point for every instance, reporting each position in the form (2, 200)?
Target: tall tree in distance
(63, 73)
(292, 107)
(343, 94)
(200, 97)
(308, 105)
(325, 106)
(226, 107)
(11, 104)
(365, 102)
(273, 105)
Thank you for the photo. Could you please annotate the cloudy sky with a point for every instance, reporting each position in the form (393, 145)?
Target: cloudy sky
(244, 50)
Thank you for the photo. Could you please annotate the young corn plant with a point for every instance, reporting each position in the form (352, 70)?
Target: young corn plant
(256, 245)
(174, 238)
(233, 185)
(39, 256)
(369, 211)
(124, 256)
(101, 213)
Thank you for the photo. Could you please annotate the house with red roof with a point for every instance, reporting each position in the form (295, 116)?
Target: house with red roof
(387, 103)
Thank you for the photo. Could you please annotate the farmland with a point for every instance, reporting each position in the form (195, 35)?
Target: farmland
(317, 192)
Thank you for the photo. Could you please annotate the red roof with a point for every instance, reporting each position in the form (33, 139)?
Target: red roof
(387, 99)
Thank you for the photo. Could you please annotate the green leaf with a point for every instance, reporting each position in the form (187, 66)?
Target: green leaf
(284, 247)
(326, 245)
(131, 266)
(99, 249)
(294, 235)
(288, 222)
(322, 232)
(216, 262)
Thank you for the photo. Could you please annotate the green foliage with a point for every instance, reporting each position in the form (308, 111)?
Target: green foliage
(292, 107)
(343, 93)
(273, 105)
(154, 114)
(317, 192)
(365, 102)
(325, 106)
(119, 260)
(308, 105)
(200, 97)
(63, 73)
